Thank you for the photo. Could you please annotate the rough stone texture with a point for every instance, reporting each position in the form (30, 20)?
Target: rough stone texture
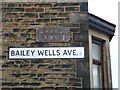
(46, 1)
(20, 21)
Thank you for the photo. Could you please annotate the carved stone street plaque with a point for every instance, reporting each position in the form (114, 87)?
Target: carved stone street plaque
(53, 34)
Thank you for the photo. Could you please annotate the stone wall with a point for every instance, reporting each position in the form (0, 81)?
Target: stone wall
(20, 21)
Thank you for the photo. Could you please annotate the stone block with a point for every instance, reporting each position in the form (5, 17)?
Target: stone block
(10, 83)
(42, 4)
(84, 27)
(49, 0)
(41, 79)
(17, 62)
(9, 34)
(16, 66)
(65, 4)
(22, 88)
(13, 1)
(86, 81)
(5, 66)
(78, 17)
(51, 66)
(82, 68)
(34, 9)
(32, 0)
(18, 9)
(56, 44)
(37, 61)
(39, 75)
(83, 17)
(2, 57)
(46, 88)
(7, 20)
(58, 9)
(25, 34)
(30, 84)
(73, 9)
(61, 88)
(56, 69)
(6, 88)
(28, 15)
(39, 20)
(16, 29)
(75, 80)
(81, 1)
(10, 62)
(74, 18)
(84, 6)
(18, 75)
(63, 1)
(66, 65)
(75, 29)
(80, 37)
(68, 1)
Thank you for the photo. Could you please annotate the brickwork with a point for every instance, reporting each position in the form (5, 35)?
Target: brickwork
(46, 1)
(20, 21)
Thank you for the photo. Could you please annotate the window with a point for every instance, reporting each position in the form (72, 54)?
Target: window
(97, 63)
(97, 76)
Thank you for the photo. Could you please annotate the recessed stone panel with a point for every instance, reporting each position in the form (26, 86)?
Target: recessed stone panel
(53, 34)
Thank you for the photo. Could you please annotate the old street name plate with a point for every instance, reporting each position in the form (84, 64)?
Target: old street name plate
(53, 34)
(47, 52)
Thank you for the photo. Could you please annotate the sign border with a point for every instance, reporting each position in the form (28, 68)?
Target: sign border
(43, 58)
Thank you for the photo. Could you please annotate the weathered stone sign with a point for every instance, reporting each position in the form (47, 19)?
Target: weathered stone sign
(53, 34)
(52, 52)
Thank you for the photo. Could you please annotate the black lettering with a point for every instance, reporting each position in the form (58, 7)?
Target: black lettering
(32, 52)
(58, 52)
(28, 53)
(50, 54)
(69, 52)
(46, 52)
(17, 53)
(40, 52)
(22, 53)
(74, 52)
(65, 52)
(53, 52)
(12, 53)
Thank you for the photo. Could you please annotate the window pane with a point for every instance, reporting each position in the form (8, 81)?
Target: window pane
(96, 51)
(97, 80)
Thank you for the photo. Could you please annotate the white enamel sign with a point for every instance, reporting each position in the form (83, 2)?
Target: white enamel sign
(47, 52)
